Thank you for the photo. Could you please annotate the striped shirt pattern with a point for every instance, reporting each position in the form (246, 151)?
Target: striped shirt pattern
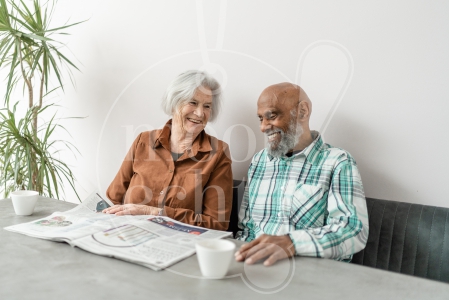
(315, 196)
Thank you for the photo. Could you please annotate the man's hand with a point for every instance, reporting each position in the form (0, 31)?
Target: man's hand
(132, 209)
(271, 246)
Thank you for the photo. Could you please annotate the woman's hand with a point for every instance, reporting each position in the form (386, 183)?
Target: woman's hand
(132, 209)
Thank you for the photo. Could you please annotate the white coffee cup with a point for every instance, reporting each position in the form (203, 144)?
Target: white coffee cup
(214, 257)
(24, 202)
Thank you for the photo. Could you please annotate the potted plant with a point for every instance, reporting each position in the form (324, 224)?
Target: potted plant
(31, 55)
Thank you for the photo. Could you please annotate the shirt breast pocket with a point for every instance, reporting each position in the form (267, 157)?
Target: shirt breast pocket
(308, 207)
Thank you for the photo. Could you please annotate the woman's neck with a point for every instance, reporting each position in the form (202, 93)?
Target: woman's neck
(180, 140)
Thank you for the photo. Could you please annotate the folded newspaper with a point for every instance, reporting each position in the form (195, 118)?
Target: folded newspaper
(155, 242)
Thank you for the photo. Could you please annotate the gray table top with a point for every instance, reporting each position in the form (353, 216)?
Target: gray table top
(32, 268)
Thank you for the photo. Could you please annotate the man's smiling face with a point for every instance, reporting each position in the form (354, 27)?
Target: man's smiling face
(278, 121)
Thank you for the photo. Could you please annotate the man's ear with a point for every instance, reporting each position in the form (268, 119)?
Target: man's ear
(304, 110)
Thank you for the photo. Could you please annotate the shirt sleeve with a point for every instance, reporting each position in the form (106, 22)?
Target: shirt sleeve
(216, 198)
(346, 225)
(119, 185)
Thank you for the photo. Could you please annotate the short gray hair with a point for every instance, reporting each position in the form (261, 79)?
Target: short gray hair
(183, 89)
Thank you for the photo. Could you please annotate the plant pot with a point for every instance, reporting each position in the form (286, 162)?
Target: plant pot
(24, 202)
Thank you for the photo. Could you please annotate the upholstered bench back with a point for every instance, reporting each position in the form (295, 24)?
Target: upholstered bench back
(403, 237)
(237, 196)
(407, 238)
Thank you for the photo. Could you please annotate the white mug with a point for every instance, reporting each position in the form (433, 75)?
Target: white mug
(214, 257)
(24, 202)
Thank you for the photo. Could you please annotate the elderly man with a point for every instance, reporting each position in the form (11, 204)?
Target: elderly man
(303, 197)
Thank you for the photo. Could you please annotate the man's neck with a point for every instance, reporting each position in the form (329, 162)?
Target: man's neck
(304, 141)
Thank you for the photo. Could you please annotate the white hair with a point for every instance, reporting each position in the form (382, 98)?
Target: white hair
(183, 89)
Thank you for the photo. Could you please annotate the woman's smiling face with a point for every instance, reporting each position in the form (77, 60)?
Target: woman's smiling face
(195, 112)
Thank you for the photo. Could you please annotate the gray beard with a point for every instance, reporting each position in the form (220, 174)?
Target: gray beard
(288, 140)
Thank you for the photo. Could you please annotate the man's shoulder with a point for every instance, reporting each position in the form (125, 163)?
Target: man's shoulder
(330, 155)
(336, 151)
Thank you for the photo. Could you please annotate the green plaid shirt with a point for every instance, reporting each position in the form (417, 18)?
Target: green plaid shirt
(316, 196)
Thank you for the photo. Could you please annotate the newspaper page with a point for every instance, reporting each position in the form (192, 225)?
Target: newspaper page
(94, 203)
(81, 220)
(155, 242)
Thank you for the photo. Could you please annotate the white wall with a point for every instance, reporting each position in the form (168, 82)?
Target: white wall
(376, 71)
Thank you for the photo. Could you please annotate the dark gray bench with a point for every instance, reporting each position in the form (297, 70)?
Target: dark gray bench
(407, 238)
(403, 237)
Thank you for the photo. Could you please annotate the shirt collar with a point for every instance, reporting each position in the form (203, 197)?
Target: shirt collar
(312, 151)
(200, 144)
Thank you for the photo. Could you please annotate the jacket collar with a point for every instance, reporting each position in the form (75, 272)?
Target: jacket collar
(200, 144)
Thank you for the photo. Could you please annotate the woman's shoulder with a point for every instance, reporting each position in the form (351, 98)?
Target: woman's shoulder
(217, 145)
(155, 132)
(215, 141)
(149, 136)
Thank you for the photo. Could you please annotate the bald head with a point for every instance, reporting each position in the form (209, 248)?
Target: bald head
(284, 110)
(285, 94)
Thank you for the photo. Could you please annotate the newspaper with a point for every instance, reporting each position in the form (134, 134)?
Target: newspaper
(155, 242)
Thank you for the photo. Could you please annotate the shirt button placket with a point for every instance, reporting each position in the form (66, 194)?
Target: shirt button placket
(171, 173)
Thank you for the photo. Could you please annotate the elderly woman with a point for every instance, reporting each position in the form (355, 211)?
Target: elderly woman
(179, 171)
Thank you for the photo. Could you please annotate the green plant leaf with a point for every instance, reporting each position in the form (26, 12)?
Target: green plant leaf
(28, 153)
